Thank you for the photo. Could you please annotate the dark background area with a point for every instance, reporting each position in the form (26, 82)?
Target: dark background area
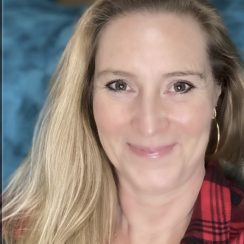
(35, 33)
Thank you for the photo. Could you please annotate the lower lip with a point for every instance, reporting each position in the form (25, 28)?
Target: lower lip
(151, 153)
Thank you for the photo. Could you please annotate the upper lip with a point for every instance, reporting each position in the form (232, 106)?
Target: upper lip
(150, 149)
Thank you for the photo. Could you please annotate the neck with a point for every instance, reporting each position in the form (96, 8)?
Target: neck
(164, 217)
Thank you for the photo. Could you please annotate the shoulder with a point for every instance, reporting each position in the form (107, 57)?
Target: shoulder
(236, 202)
(229, 196)
(237, 211)
(218, 211)
(235, 185)
(217, 176)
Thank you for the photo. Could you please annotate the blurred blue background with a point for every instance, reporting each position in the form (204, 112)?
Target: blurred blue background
(34, 34)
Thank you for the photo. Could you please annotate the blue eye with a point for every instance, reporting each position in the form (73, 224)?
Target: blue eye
(182, 87)
(117, 85)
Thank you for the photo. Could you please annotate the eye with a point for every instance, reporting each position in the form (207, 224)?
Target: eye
(182, 87)
(117, 85)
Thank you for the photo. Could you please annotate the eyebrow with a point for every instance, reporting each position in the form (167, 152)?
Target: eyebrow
(201, 75)
(114, 72)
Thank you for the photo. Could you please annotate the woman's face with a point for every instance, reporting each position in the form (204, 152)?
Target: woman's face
(154, 98)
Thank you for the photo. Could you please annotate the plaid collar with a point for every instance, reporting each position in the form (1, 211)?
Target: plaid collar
(218, 215)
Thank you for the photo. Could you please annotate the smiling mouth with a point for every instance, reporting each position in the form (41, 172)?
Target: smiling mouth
(151, 152)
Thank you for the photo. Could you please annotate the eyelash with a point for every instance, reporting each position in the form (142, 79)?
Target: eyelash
(122, 82)
(116, 82)
(185, 83)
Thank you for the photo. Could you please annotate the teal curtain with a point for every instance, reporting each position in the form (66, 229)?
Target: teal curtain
(35, 33)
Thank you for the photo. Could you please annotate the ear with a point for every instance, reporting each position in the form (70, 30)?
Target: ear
(217, 92)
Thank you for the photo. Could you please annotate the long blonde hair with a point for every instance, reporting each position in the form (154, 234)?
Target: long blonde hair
(65, 191)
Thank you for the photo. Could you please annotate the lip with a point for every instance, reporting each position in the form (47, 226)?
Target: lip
(151, 152)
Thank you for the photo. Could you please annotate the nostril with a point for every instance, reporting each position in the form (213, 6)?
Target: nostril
(150, 122)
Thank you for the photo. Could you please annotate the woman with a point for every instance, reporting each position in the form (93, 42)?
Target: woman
(144, 114)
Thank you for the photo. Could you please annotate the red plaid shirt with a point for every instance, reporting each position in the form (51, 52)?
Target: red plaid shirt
(218, 215)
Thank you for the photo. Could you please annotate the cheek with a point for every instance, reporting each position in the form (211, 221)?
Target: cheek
(195, 120)
(108, 117)
(193, 127)
(111, 120)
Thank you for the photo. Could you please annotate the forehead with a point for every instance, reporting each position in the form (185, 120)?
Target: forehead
(152, 38)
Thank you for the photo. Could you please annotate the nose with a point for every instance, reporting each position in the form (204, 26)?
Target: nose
(150, 115)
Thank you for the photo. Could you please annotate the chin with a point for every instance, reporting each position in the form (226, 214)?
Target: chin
(159, 181)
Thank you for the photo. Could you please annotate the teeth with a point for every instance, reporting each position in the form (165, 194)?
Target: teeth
(153, 155)
(150, 152)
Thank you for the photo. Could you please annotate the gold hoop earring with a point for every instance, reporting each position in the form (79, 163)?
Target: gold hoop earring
(218, 131)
